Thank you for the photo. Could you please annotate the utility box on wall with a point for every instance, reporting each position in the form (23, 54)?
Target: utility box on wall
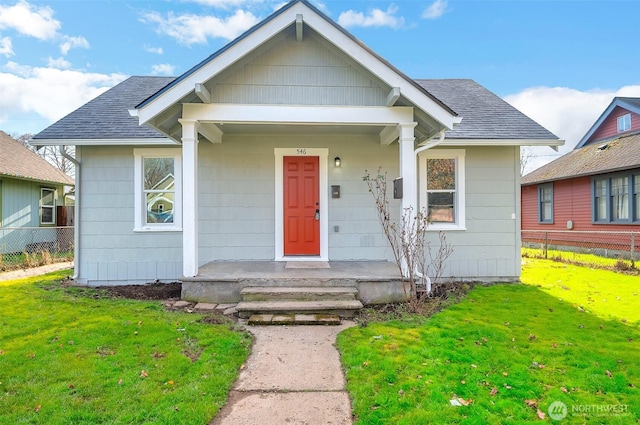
(335, 191)
(397, 188)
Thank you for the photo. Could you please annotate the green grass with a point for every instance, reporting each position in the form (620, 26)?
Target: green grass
(69, 356)
(498, 348)
(609, 295)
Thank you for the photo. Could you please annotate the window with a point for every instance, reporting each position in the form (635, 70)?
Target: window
(545, 203)
(47, 206)
(158, 183)
(600, 200)
(616, 199)
(624, 123)
(636, 197)
(442, 183)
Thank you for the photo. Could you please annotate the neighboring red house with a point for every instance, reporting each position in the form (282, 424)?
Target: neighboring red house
(596, 186)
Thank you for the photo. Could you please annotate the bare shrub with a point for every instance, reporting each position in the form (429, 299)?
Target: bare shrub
(413, 254)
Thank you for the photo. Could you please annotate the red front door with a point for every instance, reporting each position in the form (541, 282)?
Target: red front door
(301, 205)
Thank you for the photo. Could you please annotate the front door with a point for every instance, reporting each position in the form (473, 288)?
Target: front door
(301, 205)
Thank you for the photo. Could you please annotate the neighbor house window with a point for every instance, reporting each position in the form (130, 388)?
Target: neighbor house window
(158, 183)
(624, 123)
(545, 203)
(636, 197)
(616, 199)
(442, 187)
(47, 206)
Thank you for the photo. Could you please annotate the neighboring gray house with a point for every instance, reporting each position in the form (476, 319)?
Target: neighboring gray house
(256, 137)
(31, 190)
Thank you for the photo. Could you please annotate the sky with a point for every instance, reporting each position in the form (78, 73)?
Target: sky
(559, 62)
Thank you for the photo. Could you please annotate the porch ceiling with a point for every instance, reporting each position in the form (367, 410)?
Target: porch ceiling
(298, 129)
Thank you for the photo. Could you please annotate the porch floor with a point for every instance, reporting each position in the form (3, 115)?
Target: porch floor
(274, 270)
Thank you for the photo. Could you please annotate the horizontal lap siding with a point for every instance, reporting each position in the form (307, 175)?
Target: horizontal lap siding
(110, 251)
(488, 249)
(237, 201)
(296, 73)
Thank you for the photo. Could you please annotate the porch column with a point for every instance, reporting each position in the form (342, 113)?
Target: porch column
(189, 197)
(408, 166)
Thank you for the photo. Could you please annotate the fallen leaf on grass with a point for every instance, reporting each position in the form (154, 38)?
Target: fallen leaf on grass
(119, 381)
(564, 390)
(459, 401)
(609, 374)
(1, 352)
(531, 403)
(532, 337)
(540, 414)
(494, 391)
(37, 409)
(170, 382)
(143, 374)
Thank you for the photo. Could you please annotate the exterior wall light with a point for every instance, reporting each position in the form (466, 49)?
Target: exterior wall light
(337, 161)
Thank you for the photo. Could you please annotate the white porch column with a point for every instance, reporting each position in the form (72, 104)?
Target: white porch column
(189, 197)
(408, 166)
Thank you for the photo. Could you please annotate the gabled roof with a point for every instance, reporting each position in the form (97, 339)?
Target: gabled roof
(631, 104)
(484, 114)
(280, 20)
(107, 116)
(620, 154)
(19, 162)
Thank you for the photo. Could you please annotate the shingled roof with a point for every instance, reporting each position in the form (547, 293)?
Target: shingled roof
(19, 162)
(107, 116)
(484, 114)
(619, 154)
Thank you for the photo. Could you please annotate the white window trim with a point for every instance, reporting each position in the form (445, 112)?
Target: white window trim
(140, 224)
(624, 120)
(458, 155)
(53, 207)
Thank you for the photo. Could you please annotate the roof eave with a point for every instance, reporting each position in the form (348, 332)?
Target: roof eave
(502, 142)
(106, 142)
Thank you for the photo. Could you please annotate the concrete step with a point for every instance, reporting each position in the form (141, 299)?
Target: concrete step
(294, 319)
(311, 293)
(342, 308)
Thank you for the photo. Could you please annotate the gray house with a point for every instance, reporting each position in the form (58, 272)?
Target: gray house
(31, 192)
(267, 142)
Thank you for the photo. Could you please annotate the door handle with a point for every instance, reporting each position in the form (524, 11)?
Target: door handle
(317, 214)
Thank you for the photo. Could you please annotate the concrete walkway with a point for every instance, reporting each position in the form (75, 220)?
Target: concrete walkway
(35, 271)
(293, 376)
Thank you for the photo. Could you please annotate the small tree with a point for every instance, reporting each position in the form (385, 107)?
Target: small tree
(407, 238)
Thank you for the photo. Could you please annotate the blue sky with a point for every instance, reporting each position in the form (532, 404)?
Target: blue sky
(561, 62)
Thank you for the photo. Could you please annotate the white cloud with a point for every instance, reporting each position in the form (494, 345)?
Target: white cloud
(60, 63)
(435, 10)
(194, 29)
(6, 46)
(566, 112)
(156, 50)
(375, 18)
(29, 20)
(73, 42)
(222, 4)
(22, 89)
(163, 69)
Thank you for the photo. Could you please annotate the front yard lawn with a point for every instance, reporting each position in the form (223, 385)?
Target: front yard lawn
(70, 356)
(505, 353)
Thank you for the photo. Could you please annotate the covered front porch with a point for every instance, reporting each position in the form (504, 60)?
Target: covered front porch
(376, 282)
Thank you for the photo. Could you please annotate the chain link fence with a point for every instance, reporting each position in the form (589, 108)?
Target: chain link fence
(23, 247)
(618, 246)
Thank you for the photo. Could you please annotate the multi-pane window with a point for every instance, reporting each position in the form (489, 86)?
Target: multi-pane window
(158, 189)
(636, 197)
(545, 207)
(47, 206)
(600, 200)
(616, 199)
(620, 198)
(624, 123)
(441, 190)
(442, 187)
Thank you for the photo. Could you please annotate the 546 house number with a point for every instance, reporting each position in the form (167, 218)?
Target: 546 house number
(301, 151)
